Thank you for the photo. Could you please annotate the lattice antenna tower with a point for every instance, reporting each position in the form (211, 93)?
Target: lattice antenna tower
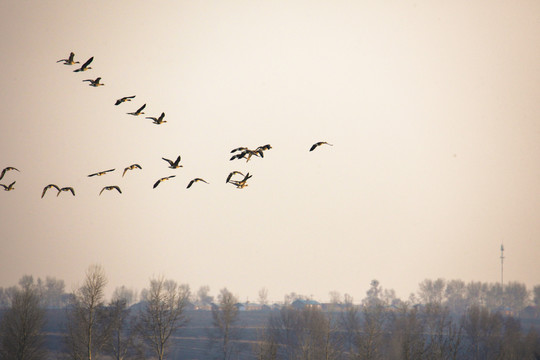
(502, 268)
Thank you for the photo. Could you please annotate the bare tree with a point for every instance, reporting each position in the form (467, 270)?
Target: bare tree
(536, 295)
(431, 291)
(203, 297)
(263, 296)
(163, 314)
(86, 333)
(120, 343)
(516, 295)
(22, 325)
(224, 316)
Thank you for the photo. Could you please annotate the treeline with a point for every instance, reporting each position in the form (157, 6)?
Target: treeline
(374, 331)
(444, 320)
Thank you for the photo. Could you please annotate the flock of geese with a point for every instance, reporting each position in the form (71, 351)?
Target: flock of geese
(238, 153)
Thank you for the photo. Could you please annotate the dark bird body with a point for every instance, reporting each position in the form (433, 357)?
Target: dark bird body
(138, 112)
(8, 187)
(112, 187)
(194, 181)
(69, 61)
(131, 167)
(67, 188)
(174, 164)
(48, 187)
(124, 99)
(9, 168)
(85, 66)
(94, 83)
(314, 146)
(162, 179)
(100, 173)
(231, 174)
(159, 120)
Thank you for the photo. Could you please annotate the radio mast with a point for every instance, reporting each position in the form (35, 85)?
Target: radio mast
(502, 261)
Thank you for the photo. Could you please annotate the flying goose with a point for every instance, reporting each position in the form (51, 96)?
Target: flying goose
(67, 188)
(319, 144)
(158, 120)
(162, 179)
(131, 167)
(6, 170)
(173, 164)
(242, 183)
(138, 112)
(125, 98)
(48, 187)
(85, 66)
(231, 175)
(94, 83)
(247, 154)
(10, 187)
(194, 181)
(113, 187)
(69, 61)
(100, 173)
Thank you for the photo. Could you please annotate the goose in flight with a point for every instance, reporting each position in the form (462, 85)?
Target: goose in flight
(67, 188)
(125, 98)
(138, 112)
(232, 174)
(264, 147)
(8, 187)
(314, 146)
(113, 187)
(242, 148)
(100, 173)
(94, 83)
(69, 61)
(247, 154)
(242, 183)
(194, 181)
(159, 120)
(48, 187)
(131, 167)
(9, 168)
(174, 164)
(162, 179)
(85, 66)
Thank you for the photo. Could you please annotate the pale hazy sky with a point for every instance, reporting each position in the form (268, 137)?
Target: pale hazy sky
(433, 108)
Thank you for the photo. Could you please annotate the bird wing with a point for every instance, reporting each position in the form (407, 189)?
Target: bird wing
(87, 62)
(71, 189)
(117, 188)
(157, 183)
(177, 161)
(118, 102)
(3, 172)
(190, 183)
(313, 147)
(102, 190)
(48, 187)
(169, 161)
(141, 108)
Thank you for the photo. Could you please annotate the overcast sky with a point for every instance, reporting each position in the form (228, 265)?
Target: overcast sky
(433, 108)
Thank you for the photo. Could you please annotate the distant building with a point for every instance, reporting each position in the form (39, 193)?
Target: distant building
(247, 306)
(302, 304)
